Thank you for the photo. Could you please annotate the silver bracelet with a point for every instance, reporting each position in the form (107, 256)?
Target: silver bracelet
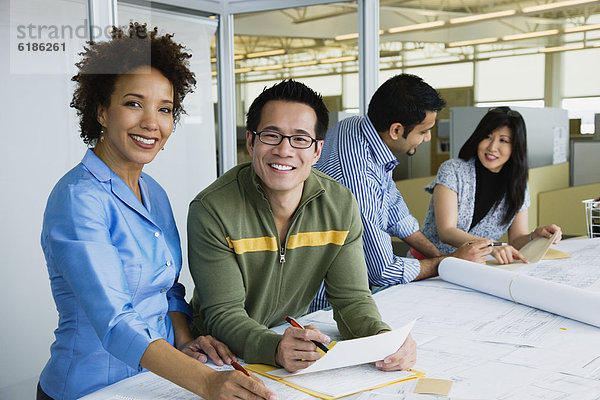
(531, 236)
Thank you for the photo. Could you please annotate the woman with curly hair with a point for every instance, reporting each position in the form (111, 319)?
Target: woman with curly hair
(483, 193)
(109, 237)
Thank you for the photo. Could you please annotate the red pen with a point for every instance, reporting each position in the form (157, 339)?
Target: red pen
(295, 324)
(237, 366)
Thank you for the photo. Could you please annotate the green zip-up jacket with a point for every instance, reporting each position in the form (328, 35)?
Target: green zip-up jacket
(246, 283)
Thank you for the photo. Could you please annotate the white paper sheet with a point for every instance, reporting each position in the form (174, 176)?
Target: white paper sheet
(344, 381)
(144, 386)
(442, 308)
(284, 392)
(356, 351)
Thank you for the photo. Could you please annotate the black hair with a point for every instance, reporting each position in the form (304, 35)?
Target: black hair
(516, 168)
(293, 91)
(404, 99)
(104, 62)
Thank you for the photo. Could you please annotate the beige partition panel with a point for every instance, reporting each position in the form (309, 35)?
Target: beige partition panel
(564, 208)
(543, 179)
(416, 198)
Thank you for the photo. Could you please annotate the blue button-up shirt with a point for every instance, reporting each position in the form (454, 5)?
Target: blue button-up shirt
(355, 155)
(113, 264)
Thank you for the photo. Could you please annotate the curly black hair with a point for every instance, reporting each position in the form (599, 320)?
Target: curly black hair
(104, 62)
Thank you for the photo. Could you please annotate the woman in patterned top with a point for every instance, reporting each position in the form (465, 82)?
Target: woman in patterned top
(484, 192)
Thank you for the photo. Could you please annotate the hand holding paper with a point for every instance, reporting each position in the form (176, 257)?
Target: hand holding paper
(355, 351)
(403, 359)
(548, 231)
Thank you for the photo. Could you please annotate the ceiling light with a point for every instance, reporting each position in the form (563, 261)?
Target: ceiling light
(265, 53)
(473, 42)
(480, 17)
(235, 57)
(268, 67)
(552, 6)
(561, 48)
(242, 70)
(416, 27)
(300, 64)
(337, 59)
(530, 35)
(582, 28)
(347, 36)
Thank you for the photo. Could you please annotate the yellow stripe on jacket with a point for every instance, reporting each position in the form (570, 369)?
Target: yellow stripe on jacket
(241, 246)
(317, 239)
(304, 239)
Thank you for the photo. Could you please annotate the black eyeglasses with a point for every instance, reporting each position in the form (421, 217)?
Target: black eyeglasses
(274, 138)
(505, 110)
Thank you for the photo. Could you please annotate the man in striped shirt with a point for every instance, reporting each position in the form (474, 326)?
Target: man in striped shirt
(360, 153)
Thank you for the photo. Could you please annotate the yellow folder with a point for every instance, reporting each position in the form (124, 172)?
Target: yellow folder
(264, 370)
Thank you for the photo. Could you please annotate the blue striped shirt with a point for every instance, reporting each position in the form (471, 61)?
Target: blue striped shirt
(355, 155)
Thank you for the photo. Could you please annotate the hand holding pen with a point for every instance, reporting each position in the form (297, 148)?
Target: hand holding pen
(297, 349)
(295, 324)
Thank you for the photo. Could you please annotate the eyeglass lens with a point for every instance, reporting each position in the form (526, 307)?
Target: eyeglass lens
(275, 138)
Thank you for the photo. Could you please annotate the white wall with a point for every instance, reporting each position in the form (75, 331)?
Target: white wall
(40, 144)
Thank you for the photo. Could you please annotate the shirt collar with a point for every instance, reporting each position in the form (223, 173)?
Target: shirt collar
(103, 173)
(96, 166)
(381, 153)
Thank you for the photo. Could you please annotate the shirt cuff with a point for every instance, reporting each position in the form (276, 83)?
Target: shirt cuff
(405, 227)
(180, 305)
(412, 269)
(263, 352)
(176, 300)
(128, 344)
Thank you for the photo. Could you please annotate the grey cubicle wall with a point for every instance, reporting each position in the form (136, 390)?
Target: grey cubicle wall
(585, 167)
(547, 132)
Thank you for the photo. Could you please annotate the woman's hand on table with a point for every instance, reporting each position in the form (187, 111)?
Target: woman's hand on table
(204, 347)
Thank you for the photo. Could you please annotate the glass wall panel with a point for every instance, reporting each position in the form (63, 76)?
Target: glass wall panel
(584, 109)
(302, 43)
(446, 76)
(510, 78)
(189, 162)
(514, 103)
(580, 73)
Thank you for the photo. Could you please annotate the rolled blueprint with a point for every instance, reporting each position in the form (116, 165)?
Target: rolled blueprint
(571, 302)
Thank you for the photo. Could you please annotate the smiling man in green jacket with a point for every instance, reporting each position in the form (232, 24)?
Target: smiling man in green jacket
(263, 237)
